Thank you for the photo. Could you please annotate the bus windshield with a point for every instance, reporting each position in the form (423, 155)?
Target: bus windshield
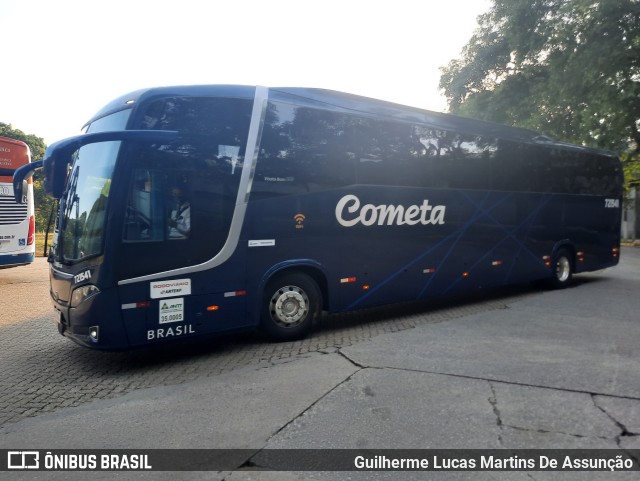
(83, 212)
(86, 201)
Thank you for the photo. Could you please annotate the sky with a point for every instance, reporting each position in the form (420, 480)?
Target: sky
(65, 59)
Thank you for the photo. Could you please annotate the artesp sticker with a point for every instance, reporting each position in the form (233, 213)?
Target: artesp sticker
(176, 287)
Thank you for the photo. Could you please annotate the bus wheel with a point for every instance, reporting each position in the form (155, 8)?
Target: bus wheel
(292, 304)
(563, 270)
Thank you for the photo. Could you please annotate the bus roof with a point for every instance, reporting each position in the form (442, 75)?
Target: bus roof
(132, 98)
(355, 103)
(438, 120)
(13, 154)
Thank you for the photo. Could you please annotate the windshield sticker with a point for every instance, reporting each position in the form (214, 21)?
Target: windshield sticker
(279, 179)
(171, 310)
(176, 287)
(229, 153)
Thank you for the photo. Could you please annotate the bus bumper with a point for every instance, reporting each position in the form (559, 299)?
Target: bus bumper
(102, 330)
(14, 260)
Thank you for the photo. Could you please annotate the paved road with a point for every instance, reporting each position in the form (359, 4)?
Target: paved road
(524, 369)
(44, 372)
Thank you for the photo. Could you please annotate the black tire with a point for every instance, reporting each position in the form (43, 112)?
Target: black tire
(563, 267)
(291, 304)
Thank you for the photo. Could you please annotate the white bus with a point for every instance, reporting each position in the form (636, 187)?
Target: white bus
(17, 220)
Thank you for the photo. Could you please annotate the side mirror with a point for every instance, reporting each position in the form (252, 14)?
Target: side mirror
(21, 180)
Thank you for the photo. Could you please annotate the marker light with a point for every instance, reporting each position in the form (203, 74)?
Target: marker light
(347, 280)
(94, 333)
(31, 236)
(212, 308)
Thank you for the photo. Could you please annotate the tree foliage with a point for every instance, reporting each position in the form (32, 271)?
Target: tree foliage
(43, 203)
(36, 144)
(568, 68)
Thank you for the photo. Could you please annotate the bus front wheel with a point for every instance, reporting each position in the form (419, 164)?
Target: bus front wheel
(562, 269)
(291, 305)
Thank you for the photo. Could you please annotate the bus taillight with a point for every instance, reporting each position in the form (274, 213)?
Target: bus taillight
(31, 237)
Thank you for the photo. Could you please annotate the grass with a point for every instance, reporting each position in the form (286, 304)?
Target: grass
(40, 243)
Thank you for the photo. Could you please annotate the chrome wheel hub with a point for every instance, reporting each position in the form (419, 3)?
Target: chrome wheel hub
(563, 269)
(289, 305)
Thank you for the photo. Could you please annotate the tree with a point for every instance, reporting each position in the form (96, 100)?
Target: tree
(568, 68)
(43, 203)
(36, 144)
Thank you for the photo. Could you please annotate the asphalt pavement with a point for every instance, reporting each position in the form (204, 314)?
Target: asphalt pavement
(552, 370)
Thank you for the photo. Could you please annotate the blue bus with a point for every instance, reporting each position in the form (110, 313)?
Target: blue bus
(195, 210)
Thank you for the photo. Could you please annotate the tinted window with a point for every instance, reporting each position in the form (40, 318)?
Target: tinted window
(540, 168)
(519, 167)
(305, 149)
(181, 195)
(456, 160)
(575, 172)
(115, 121)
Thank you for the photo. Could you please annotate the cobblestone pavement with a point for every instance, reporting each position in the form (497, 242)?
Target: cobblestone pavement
(43, 372)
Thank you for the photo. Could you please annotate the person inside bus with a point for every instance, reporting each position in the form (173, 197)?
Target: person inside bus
(180, 215)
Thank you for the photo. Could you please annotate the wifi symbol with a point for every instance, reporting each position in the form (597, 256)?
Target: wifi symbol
(299, 218)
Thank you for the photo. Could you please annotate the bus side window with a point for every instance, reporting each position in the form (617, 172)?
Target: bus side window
(179, 212)
(138, 213)
(144, 211)
(303, 150)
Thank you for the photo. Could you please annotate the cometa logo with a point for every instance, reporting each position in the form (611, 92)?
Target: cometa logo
(350, 212)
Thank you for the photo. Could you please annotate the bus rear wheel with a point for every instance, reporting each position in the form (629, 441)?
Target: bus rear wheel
(291, 306)
(562, 269)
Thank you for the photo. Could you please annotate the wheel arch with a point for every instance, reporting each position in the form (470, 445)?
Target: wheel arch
(569, 246)
(309, 267)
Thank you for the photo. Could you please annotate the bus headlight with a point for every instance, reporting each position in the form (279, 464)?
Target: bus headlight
(82, 293)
